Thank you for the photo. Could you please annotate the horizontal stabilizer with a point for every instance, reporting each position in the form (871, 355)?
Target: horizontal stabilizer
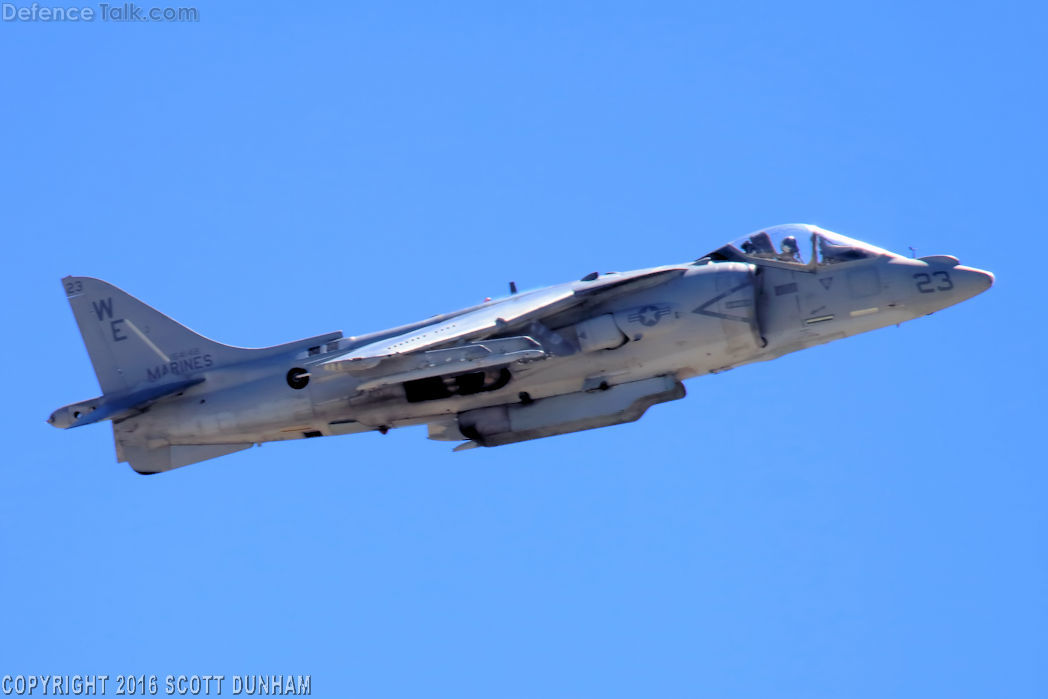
(109, 407)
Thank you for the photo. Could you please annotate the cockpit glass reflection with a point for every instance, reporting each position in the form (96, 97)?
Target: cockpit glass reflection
(795, 243)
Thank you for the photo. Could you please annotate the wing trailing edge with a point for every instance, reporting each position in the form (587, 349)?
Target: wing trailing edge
(499, 317)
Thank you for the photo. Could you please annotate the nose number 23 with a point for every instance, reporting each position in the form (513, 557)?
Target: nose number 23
(925, 281)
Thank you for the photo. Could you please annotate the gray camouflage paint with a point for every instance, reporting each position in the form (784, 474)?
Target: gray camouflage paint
(574, 356)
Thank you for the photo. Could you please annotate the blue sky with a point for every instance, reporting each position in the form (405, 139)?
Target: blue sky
(864, 519)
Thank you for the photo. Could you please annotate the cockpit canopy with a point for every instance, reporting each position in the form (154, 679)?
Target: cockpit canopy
(798, 244)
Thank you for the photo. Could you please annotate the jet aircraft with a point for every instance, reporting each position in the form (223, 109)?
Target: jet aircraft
(583, 354)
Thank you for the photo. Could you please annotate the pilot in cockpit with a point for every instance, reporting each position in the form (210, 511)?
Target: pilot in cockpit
(790, 250)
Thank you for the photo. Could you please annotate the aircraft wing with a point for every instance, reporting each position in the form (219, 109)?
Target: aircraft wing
(499, 317)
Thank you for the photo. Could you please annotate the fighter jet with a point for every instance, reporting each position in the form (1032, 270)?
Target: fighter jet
(575, 356)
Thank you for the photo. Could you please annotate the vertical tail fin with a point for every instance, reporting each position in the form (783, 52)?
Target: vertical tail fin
(131, 343)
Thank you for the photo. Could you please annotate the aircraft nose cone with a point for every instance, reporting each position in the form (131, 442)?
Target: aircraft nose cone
(940, 284)
(971, 281)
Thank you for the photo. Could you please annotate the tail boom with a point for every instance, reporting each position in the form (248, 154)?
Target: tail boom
(143, 359)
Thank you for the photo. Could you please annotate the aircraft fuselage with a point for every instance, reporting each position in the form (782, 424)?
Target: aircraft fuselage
(553, 364)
